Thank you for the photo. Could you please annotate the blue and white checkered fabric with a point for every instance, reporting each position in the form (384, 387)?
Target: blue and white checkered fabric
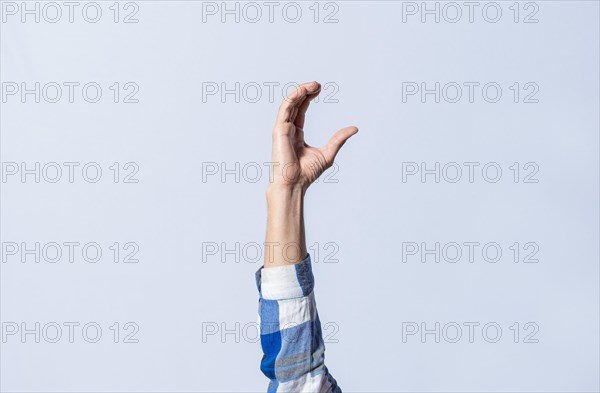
(290, 331)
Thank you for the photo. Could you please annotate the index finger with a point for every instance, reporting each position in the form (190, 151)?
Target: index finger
(299, 120)
(287, 110)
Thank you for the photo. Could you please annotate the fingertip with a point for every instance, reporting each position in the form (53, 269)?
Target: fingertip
(313, 86)
(353, 130)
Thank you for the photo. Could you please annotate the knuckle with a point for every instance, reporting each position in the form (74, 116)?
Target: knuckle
(293, 97)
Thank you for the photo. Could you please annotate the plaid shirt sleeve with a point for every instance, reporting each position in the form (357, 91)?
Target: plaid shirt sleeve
(290, 331)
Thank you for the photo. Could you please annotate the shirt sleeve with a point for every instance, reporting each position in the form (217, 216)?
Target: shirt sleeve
(290, 331)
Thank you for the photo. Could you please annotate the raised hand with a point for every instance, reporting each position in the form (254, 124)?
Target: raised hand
(297, 164)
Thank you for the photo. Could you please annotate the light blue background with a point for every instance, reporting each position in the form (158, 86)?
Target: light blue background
(368, 213)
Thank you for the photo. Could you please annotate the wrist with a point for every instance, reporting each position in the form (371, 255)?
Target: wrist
(284, 192)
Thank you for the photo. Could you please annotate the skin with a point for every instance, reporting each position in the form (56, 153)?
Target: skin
(297, 166)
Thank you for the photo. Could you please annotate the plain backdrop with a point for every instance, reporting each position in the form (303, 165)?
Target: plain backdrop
(193, 316)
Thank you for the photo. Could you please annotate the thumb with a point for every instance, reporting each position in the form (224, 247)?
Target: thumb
(336, 142)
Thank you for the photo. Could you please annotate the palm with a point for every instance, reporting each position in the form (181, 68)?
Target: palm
(312, 161)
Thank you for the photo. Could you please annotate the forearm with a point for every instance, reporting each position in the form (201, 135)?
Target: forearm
(285, 240)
